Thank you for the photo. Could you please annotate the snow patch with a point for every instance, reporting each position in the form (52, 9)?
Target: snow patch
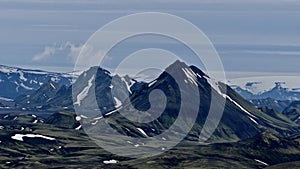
(152, 83)
(98, 118)
(6, 69)
(6, 99)
(83, 116)
(261, 162)
(78, 128)
(19, 137)
(192, 77)
(78, 118)
(94, 123)
(26, 87)
(110, 162)
(253, 120)
(22, 77)
(118, 103)
(238, 105)
(109, 113)
(142, 131)
(83, 94)
(52, 86)
(128, 85)
(297, 119)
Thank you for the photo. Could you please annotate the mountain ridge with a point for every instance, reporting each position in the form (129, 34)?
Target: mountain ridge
(113, 93)
(16, 81)
(275, 87)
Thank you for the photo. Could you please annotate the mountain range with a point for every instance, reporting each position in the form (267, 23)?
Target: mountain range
(278, 94)
(16, 81)
(246, 137)
(248, 121)
(274, 87)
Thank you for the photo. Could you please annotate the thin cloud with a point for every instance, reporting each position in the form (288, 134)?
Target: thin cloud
(274, 52)
(51, 25)
(48, 51)
(265, 52)
(72, 51)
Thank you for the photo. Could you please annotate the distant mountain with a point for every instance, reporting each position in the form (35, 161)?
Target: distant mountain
(16, 81)
(278, 105)
(275, 87)
(40, 97)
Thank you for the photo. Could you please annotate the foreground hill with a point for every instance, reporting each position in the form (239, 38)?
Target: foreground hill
(28, 141)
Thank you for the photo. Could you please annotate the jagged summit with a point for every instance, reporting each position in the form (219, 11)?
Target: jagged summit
(179, 66)
(176, 65)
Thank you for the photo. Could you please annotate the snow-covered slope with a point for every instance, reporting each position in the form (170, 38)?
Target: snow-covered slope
(275, 87)
(16, 81)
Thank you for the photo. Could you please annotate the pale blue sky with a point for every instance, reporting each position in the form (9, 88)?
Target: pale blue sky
(250, 36)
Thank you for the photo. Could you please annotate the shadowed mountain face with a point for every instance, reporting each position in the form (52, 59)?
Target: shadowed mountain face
(293, 111)
(50, 96)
